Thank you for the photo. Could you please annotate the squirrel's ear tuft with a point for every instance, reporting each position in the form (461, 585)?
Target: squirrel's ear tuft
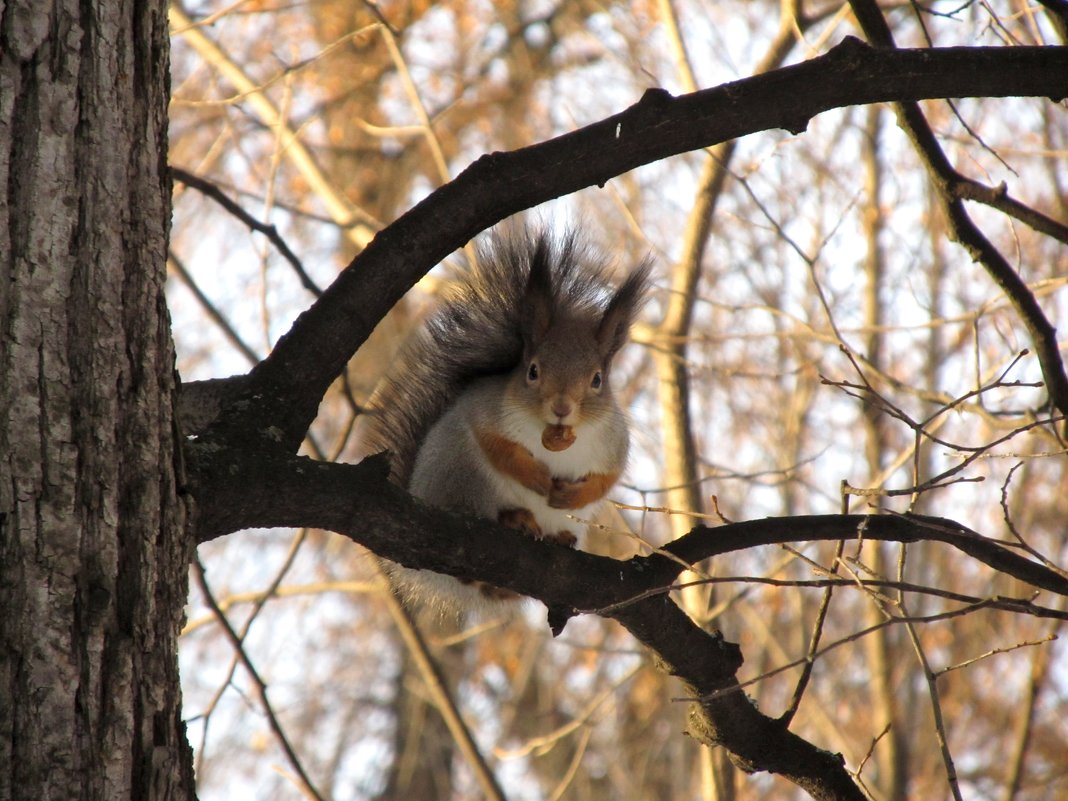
(622, 310)
(537, 312)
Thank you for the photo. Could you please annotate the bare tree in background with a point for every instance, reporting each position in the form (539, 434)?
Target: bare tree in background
(837, 343)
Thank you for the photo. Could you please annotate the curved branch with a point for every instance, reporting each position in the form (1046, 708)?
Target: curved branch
(292, 380)
(704, 542)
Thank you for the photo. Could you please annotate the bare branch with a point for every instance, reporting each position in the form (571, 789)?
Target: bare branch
(291, 382)
(240, 488)
(945, 180)
(936, 709)
(268, 230)
(306, 786)
(993, 652)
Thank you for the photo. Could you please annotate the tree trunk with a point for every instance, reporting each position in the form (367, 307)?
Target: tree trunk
(93, 549)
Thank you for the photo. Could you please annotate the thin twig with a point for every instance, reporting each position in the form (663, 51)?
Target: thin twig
(997, 197)
(936, 710)
(270, 231)
(993, 652)
(1000, 602)
(865, 391)
(894, 620)
(277, 591)
(1007, 517)
(868, 756)
(941, 479)
(260, 686)
(415, 100)
(212, 311)
(814, 642)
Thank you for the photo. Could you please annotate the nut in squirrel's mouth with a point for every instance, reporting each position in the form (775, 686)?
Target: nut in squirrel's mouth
(557, 437)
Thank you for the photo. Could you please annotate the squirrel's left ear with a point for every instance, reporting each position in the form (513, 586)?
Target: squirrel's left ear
(622, 310)
(537, 307)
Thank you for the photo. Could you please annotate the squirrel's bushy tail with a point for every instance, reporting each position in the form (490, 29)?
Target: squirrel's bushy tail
(474, 332)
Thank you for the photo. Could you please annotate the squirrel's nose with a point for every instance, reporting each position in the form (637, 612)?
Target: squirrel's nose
(561, 407)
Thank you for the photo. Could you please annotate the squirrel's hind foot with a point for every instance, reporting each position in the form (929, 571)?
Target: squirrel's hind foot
(523, 520)
(491, 592)
(520, 519)
(562, 538)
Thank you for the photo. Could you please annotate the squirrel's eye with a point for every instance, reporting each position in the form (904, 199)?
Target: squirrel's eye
(597, 380)
(532, 372)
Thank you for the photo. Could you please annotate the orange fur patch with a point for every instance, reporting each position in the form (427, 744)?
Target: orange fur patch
(515, 461)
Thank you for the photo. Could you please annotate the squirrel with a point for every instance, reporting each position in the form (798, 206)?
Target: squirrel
(501, 406)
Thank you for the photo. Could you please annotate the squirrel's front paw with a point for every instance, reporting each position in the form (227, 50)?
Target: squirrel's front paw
(566, 494)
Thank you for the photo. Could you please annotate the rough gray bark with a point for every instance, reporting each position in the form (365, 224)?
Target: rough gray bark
(93, 553)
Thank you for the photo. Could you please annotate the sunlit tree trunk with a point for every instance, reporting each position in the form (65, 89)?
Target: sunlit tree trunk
(424, 750)
(93, 557)
(681, 474)
(891, 754)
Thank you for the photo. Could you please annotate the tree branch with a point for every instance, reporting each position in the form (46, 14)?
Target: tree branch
(270, 231)
(241, 488)
(292, 380)
(951, 187)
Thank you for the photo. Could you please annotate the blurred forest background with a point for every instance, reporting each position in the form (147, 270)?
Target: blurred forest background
(811, 324)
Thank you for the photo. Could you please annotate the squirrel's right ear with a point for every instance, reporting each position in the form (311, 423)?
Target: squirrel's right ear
(623, 309)
(538, 298)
